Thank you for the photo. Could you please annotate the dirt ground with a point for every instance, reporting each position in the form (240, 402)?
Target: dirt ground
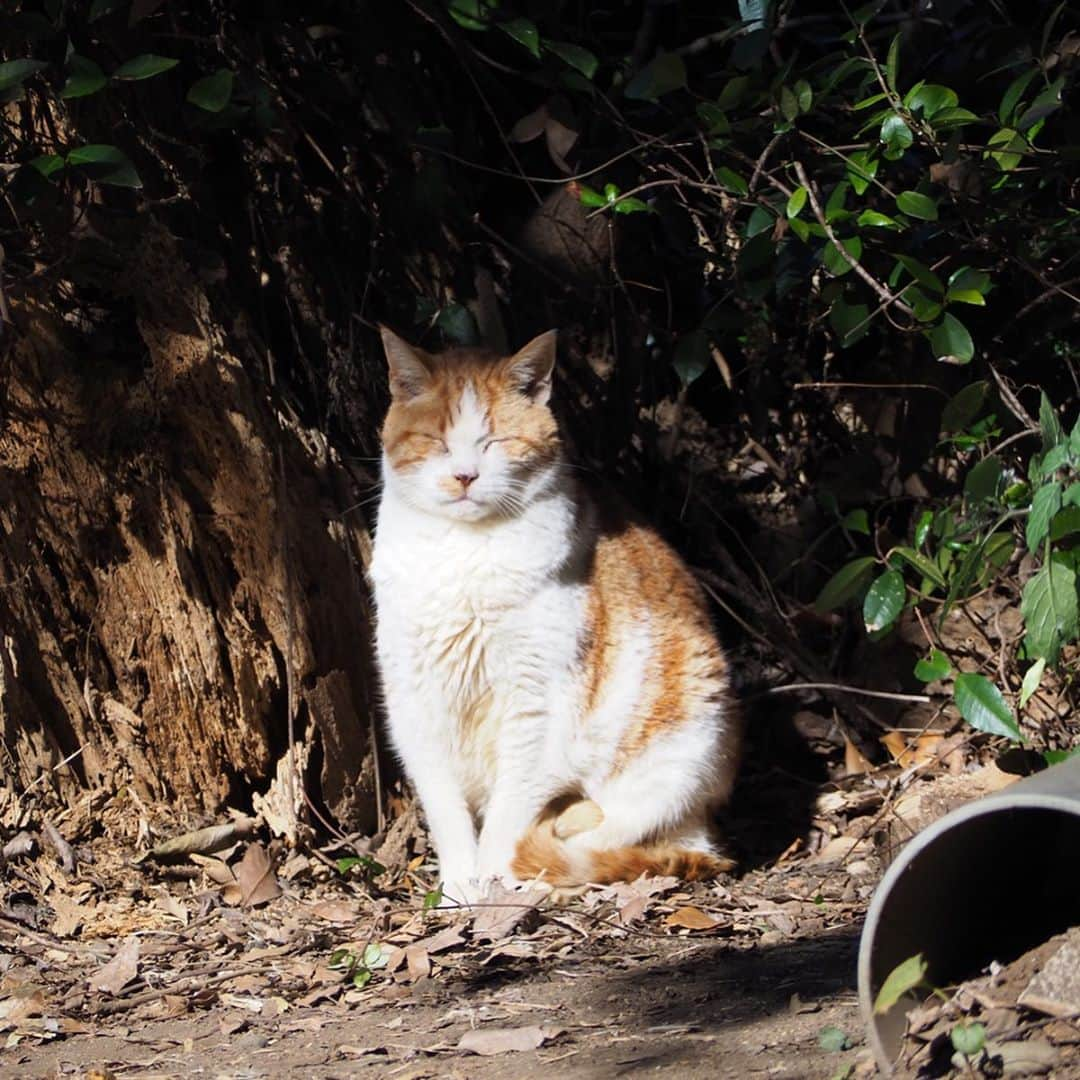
(242, 957)
(742, 998)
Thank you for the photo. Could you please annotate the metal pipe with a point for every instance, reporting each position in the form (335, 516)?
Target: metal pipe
(988, 881)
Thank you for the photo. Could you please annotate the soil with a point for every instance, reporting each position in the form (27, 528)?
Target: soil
(242, 957)
(260, 976)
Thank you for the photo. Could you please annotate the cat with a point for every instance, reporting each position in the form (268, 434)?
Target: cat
(553, 685)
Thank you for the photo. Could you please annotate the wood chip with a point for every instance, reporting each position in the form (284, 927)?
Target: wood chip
(490, 1041)
(120, 970)
(691, 918)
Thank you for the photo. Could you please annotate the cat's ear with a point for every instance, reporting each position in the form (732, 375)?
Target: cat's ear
(409, 371)
(532, 367)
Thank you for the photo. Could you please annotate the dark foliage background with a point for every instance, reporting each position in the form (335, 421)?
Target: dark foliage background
(815, 268)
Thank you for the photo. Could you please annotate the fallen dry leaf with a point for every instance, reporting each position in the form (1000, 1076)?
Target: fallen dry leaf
(255, 881)
(343, 911)
(418, 961)
(691, 918)
(502, 909)
(490, 1041)
(917, 751)
(203, 841)
(855, 762)
(70, 916)
(120, 970)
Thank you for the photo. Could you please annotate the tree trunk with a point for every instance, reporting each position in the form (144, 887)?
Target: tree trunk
(176, 554)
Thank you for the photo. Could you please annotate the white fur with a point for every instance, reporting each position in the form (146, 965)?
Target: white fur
(480, 613)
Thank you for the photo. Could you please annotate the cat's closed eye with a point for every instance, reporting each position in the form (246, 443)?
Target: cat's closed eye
(438, 440)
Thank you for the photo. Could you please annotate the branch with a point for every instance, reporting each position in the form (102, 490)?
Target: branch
(887, 297)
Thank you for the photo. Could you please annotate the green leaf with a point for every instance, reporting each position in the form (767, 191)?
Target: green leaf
(877, 220)
(804, 94)
(524, 32)
(845, 584)
(472, 14)
(921, 563)
(949, 118)
(982, 482)
(432, 898)
(1071, 496)
(369, 865)
(832, 1040)
(1045, 504)
(835, 263)
(212, 92)
(968, 1039)
(789, 104)
(145, 66)
(630, 205)
(951, 341)
(578, 58)
(1049, 425)
(1014, 144)
(663, 74)
(861, 168)
(892, 64)
(850, 321)
(903, 978)
(921, 273)
(964, 406)
(917, 206)
(84, 78)
(965, 296)
(1011, 98)
(1066, 523)
(869, 102)
(733, 91)
(730, 179)
(884, 601)
(1052, 460)
(856, 521)
(834, 208)
(376, 955)
(1056, 757)
(930, 99)
(922, 528)
(982, 706)
(935, 667)
(924, 309)
(1049, 608)
(692, 356)
(106, 165)
(1032, 678)
(896, 136)
(16, 72)
(590, 196)
(47, 164)
(1046, 103)
(796, 201)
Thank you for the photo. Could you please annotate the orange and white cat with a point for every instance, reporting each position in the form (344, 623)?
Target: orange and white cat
(553, 685)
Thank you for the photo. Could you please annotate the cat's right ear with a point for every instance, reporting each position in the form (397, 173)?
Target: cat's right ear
(408, 366)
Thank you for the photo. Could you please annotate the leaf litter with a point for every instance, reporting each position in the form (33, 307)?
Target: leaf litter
(258, 942)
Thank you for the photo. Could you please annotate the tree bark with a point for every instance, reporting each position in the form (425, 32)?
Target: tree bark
(176, 551)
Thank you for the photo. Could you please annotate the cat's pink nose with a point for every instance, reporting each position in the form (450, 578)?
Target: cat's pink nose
(465, 478)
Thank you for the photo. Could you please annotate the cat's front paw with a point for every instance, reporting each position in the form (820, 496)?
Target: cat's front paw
(461, 892)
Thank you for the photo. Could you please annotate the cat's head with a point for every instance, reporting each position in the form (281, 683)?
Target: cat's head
(469, 434)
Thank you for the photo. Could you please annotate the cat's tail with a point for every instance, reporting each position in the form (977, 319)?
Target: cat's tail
(544, 853)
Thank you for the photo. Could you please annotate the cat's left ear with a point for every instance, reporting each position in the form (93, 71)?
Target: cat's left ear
(533, 366)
